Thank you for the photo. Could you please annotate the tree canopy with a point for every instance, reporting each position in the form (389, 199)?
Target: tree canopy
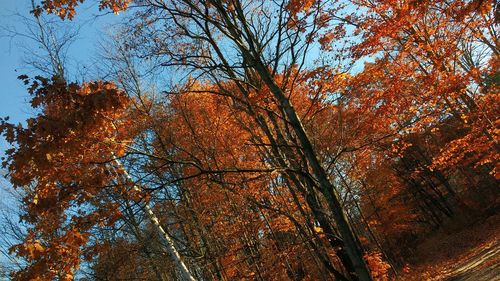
(298, 140)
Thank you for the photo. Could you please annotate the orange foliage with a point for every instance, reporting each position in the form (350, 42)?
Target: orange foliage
(399, 141)
(60, 160)
(378, 267)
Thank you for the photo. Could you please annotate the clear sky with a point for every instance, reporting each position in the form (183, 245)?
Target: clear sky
(11, 92)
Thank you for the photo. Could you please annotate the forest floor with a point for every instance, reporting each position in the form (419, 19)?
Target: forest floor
(469, 252)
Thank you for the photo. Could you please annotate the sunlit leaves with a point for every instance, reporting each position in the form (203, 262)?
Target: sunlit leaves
(61, 155)
(66, 8)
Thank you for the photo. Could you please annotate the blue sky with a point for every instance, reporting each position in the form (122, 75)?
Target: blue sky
(11, 93)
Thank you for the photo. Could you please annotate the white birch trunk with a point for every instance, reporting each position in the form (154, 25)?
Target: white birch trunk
(184, 272)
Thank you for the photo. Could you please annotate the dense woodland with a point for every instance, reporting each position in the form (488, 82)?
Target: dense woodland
(259, 140)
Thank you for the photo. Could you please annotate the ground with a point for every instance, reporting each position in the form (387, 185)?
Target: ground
(483, 264)
(467, 253)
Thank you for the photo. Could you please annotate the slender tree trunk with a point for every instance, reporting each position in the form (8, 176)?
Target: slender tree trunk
(236, 26)
(306, 187)
(365, 221)
(138, 235)
(181, 267)
(184, 272)
(326, 186)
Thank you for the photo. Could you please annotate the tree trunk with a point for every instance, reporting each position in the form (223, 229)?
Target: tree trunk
(326, 186)
(184, 273)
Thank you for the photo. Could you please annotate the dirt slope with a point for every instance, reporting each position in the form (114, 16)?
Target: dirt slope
(470, 253)
(482, 266)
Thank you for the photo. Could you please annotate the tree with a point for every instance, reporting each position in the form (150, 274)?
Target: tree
(262, 143)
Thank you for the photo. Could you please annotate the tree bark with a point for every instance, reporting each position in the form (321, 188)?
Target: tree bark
(326, 186)
(184, 273)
